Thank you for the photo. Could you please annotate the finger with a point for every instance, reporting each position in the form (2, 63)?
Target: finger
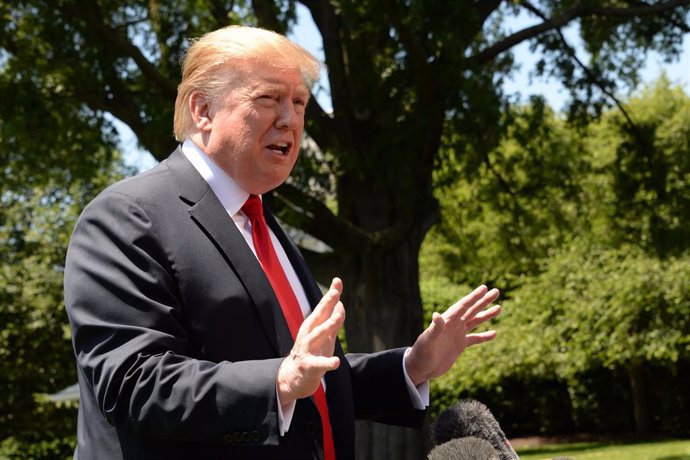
(331, 297)
(434, 329)
(437, 324)
(323, 364)
(479, 295)
(475, 309)
(337, 284)
(329, 328)
(480, 337)
(465, 302)
(326, 305)
(417, 359)
(484, 316)
(331, 363)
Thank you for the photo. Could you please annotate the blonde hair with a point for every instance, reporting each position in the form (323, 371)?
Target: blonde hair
(222, 50)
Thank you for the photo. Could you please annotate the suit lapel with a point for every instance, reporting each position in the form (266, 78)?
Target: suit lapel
(210, 215)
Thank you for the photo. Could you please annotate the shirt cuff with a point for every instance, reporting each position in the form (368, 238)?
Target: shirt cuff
(419, 395)
(285, 414)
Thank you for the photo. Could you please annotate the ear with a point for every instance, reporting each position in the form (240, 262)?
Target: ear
(200, 110)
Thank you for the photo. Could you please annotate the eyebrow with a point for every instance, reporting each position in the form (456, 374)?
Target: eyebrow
(278, 84)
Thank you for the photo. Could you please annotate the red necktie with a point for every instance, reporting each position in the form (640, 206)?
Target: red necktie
(288, 301)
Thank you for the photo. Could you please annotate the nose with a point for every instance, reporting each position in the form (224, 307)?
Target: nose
(289, 116)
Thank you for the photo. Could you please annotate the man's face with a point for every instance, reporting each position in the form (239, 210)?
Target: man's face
(257, 126)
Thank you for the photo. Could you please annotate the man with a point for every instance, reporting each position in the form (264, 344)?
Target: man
(198, 330)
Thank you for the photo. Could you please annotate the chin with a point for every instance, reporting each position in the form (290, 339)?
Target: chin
(265, 187)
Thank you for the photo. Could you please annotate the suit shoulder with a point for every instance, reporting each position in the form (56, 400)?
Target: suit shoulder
(153, 189)
(145, 184)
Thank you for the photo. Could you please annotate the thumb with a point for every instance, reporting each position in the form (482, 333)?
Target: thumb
(337, 284)
(417, 359)
(438, 324)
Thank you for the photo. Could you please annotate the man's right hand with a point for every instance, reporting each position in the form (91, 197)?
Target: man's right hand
(311, 357)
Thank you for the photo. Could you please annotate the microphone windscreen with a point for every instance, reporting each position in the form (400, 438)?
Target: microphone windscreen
(464, 449)
(470, 418)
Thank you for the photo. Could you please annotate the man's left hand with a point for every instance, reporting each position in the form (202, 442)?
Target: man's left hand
(448, 335)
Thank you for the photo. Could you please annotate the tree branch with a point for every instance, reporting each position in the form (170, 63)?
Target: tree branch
(266, 12)
(415, 52)
(484, 8)
(501, 180)
(89, 12)
(577, 11)
(428, 90)
(340, 125)
(126, 109)
(595, 78)
(220, 12)
(320, 126)
(314, 217)
(684, 27)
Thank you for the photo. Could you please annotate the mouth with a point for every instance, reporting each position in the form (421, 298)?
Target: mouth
(280, 148)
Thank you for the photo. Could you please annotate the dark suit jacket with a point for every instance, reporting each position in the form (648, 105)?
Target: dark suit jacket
(178, 334)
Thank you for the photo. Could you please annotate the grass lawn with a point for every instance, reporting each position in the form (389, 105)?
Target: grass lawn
(653, 450)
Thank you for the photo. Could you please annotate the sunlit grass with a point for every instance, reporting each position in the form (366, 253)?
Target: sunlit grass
(656, 450)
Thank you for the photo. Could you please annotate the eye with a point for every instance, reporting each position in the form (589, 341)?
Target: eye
(267, 99)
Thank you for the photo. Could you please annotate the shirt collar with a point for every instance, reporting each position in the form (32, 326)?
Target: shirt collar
(230, 194)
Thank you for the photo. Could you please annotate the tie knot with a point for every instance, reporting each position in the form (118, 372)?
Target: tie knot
(252, 207)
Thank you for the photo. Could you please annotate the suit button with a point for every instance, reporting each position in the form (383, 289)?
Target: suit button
(256, 436)
(227, 438)
(237, 437)
(311, 428)
(246, 437)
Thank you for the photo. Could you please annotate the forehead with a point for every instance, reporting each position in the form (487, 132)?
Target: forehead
(256, 73)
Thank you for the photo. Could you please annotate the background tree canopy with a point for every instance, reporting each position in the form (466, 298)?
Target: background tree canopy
(418, 104)
(597, 272)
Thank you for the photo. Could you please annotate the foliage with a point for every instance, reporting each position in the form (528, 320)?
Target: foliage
(39, 209)
(52, 435)
(651, 171)
(607, 289)
(596, 308)
(523, 201)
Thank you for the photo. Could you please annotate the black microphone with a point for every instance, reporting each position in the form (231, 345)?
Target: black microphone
(470, 418)
(469, 448)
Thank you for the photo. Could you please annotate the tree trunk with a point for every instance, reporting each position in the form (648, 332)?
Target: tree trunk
(384, 442)
(638, 385)
(383, 305)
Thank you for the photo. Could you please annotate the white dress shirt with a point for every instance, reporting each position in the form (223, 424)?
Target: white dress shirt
(233, 197)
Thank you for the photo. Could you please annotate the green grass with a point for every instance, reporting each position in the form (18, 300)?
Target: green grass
(656, 450)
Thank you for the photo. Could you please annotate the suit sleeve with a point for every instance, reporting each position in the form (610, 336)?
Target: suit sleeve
(380, 391)
(130, 341)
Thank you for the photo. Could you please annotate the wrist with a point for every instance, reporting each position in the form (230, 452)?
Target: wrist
(413, 373)
(283, 387)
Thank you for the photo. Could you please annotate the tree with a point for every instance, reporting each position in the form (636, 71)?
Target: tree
(55, 156)
(35, 346)
(48, 178)
(587, 233)
(411, 82)
(524, 200)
